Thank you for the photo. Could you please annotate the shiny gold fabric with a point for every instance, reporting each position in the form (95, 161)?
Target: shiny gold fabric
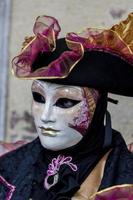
(125, 32)
(89, 188)
(92, 182)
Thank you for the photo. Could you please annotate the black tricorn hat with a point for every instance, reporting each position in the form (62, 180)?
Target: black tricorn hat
(101, 59)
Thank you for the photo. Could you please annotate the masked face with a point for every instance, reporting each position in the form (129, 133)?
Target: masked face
(62, 113)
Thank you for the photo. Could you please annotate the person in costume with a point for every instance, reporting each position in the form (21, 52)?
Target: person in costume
(76, 155)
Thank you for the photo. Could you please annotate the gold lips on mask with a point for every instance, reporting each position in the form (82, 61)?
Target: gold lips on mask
(49, 131)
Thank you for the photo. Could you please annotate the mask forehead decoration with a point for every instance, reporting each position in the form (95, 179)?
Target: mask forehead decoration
(62, 113)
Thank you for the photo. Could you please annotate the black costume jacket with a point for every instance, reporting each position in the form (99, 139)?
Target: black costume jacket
(18, 170)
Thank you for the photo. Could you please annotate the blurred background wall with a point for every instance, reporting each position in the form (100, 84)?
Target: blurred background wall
(73, 15)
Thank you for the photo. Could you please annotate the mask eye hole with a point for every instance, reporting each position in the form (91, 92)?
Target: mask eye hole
(38, 97)
(66, 103)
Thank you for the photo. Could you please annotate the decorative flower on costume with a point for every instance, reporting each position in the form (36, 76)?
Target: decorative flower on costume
(117, 40)
(54, 167)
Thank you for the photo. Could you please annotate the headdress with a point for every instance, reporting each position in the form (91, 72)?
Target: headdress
(102, 59)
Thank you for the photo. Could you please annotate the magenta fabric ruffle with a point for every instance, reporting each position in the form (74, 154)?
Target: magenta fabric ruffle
(117, 40)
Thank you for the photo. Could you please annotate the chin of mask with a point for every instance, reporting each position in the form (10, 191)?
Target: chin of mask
(62, 113)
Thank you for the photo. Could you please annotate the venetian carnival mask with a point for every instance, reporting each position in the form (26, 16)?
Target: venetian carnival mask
(62, 113)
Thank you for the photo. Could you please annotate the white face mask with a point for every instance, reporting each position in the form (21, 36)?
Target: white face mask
(62, 113)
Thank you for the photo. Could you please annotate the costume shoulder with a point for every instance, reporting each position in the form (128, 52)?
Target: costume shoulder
(19, 154)
(17, 170)
(119, 165)
(6, 147)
